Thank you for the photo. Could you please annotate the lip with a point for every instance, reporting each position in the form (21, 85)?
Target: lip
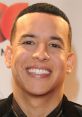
(38, 72)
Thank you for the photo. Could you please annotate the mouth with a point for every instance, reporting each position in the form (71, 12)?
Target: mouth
(39, 72)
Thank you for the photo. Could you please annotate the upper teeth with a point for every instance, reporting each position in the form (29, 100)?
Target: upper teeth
(39, 71)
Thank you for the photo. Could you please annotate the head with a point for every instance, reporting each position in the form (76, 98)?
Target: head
(40, 52)
(48, 9)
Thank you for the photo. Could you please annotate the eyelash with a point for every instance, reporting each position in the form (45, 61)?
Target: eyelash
(28, 42)
(55, 45)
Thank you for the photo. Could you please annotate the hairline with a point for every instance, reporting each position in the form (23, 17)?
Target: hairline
(13, 31)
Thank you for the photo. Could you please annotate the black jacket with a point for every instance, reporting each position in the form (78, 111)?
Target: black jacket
(70, 109)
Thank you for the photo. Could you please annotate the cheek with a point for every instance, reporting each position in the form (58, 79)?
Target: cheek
(59, 68)
(20, 57)
(59, 61)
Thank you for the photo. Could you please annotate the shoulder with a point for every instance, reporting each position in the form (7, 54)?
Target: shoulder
(5, 105)
(72, 108)
(78, 107)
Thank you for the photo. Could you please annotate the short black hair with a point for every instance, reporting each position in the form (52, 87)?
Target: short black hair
(44, 8)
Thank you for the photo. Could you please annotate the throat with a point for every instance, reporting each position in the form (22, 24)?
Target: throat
(38, 106)
(37, 112)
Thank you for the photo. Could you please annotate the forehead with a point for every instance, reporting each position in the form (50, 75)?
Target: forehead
(40, 18)
(42, 25)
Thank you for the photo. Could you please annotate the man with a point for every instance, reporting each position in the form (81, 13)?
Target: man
(39, 57)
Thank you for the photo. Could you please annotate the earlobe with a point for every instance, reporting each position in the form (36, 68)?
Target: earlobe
(8, 55)
(70, 62)
(69, 66)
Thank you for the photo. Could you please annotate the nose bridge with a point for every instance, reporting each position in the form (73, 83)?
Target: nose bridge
(42, 48)
(41, 52)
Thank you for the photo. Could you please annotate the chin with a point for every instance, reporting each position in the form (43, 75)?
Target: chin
(38, 92)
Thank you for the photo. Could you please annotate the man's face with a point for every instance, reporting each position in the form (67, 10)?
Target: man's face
(39, 53)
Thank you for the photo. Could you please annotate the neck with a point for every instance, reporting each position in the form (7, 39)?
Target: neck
(38, 106)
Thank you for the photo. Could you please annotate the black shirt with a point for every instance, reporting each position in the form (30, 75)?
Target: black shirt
(66, 109)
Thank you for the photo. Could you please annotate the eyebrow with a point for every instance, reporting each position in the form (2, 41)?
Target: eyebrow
(52, 37)
(28, 35)
(57, 38)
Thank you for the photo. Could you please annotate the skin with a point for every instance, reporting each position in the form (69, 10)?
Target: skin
(40, 42)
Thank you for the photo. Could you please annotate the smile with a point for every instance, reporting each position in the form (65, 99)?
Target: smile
(38, 71)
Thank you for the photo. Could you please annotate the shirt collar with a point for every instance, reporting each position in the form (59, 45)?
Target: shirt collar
(17, 110)
(57, 112)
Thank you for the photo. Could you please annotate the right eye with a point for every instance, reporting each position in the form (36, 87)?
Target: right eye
(28, 42)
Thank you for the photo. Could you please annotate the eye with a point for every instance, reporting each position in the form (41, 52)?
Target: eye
(55, 45)
(28, 42)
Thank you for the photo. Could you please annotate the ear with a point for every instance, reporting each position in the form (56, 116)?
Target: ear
(70, 62)
(8, 56)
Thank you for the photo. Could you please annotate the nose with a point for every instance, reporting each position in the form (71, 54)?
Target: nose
(41, 53)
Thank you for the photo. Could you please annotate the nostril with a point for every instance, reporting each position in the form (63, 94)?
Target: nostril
(41, 56)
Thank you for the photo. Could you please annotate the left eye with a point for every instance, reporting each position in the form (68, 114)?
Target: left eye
(55, 45)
